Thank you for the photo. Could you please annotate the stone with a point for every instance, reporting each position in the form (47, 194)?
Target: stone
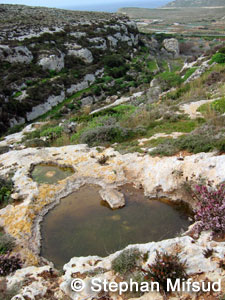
(114, 198)
(172, 46)
(98, 43)
(46, 106)
(113, 41)
(52, 62)
(83, 54)
(20, 54)
(87, 101)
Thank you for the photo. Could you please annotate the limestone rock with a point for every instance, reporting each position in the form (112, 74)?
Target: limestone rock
(44, 107)
(113, 41)
(172, 46)
(52, 62)
(114, 198)
(98, 43)
(83, 54)
(87, 101)
(20, 54)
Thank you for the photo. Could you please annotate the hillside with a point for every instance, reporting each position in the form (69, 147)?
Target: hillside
(112, 157)
(46, 55)
(196, 3)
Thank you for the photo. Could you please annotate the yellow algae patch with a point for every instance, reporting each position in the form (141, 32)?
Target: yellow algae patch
(47, 191)
(111, 178)
(19, 228)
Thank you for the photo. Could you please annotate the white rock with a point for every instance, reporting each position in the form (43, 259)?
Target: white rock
(99, 43)
(172, 45)
(113, 197)
(83, 54)
(45, 107)
(20, 54)
(52, 62)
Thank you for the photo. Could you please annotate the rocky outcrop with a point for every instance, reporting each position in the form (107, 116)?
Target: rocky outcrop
(43, 108)
(172, 46)
(83, 54)
(54, 40)
(19, 54)
(52, 61)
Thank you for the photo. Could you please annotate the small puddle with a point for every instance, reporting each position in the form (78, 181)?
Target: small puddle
(82, 224)
(50, 173)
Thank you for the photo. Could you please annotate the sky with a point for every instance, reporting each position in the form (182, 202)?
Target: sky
(91, 4)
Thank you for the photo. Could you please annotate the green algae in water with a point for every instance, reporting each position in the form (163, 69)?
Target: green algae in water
(83, 225)
(50, 174)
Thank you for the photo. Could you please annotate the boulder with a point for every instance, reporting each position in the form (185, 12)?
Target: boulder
(20, 54)
(87, 101)
(172, 46)
(52, 62)
(114, 198)
(83, 54)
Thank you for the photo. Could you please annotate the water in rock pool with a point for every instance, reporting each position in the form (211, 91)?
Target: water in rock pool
(47, 173)
(82, 224)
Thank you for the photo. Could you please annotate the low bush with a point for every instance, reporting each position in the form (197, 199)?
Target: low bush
(52, 132)
(166, 266)
(189, 73)
(210, 211)
(9, 264)
(5, 191)
(34, 143)
(170, 79)
(113, 60)
(7, 243)
(218, 58)
(104, 134)
(217, 105)
(126, 261)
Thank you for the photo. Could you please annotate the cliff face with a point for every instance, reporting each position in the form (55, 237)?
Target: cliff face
(47, 55)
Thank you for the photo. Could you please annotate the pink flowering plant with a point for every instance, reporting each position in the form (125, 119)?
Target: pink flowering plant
(210, 210)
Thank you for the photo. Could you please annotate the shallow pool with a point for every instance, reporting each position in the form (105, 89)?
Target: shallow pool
(82, 224)
(50, 174)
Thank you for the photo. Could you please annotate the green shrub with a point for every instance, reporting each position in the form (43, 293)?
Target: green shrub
(222, 50)
(168, 148)
(6, 187)
(218, 105)
(126, 261)
(36, 143)
(104, 134)
(189, 73)
(171, 79)
(113, 60)
(7, 243)
(218, 58)
(52, 132)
